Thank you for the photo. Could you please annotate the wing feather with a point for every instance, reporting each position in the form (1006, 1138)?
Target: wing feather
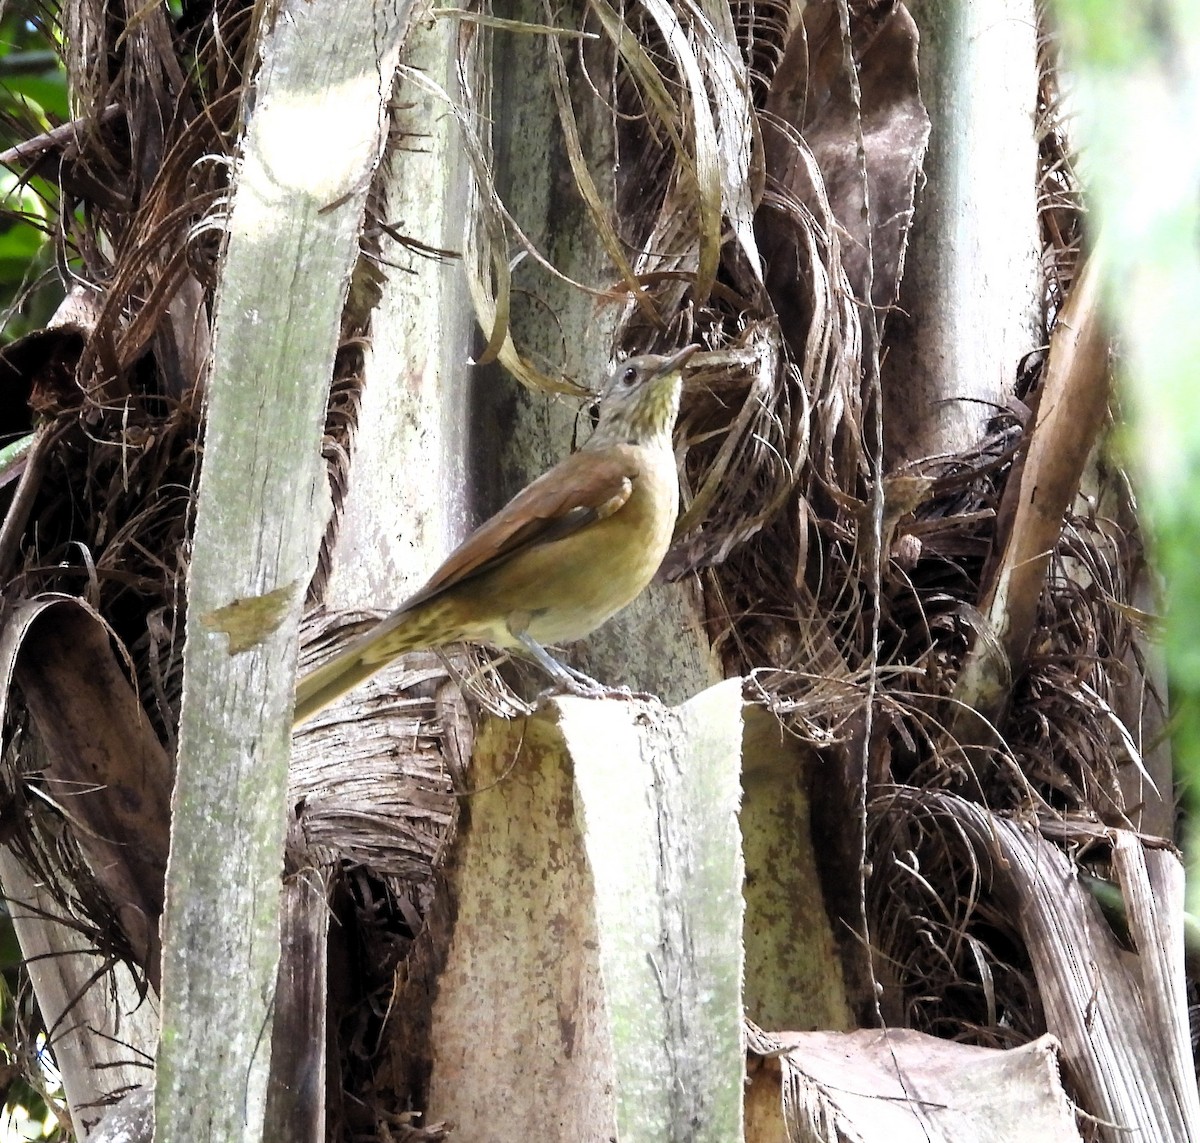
(585, 487)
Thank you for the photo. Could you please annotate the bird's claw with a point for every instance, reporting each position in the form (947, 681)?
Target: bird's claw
(570, 680)
(597, 691)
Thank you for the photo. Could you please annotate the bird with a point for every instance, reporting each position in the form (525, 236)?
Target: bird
(563, 556)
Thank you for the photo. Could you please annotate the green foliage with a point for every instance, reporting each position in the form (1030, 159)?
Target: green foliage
(1135, 69)
(33, 99)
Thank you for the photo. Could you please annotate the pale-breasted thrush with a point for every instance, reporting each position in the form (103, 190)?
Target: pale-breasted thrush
(563, 556)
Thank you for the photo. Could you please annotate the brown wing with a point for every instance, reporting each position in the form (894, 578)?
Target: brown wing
(585, 487)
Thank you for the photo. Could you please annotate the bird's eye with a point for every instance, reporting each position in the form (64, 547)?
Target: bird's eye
(629, 376)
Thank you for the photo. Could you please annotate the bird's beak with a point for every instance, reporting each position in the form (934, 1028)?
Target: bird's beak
(676, 360)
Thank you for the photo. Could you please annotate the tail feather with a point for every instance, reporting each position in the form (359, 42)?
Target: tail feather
(400, 632)
(326, 684)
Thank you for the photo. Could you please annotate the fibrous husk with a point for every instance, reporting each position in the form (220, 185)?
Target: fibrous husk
(1018, 914)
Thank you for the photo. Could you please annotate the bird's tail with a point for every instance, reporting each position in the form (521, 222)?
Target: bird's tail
(323, 686)
(400, 632)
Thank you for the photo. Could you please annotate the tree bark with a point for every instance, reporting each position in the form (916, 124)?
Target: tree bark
(294, 223)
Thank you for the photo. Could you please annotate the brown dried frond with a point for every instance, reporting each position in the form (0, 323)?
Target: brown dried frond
(762, 28)
(1061, 209)
(112, 517)
(951, 959)
(778, 468)
(37, 833)
(771, 413)
(1068, 723)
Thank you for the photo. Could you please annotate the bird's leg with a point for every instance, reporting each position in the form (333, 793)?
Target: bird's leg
(576, 682)
(566, 677)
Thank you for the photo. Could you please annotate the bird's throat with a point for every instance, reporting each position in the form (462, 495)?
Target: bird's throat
(645, 417)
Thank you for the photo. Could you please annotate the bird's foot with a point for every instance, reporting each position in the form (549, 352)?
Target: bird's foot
(571, 681)
(567, 680)
(594, 690)
(578, 683)
(631, 695)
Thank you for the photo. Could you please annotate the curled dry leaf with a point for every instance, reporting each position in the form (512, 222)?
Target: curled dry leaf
(813, 93)
(106, 772)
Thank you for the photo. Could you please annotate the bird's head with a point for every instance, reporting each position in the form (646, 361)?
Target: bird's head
(640, 400)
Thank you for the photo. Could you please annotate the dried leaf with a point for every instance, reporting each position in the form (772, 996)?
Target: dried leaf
(812, 93)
